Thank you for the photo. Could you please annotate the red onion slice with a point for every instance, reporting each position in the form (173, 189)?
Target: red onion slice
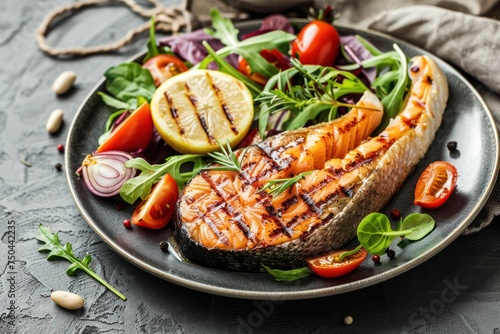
(104, 173)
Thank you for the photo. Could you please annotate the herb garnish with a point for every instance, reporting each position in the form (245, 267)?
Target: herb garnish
(276, 187)
(375, 233)
(226, 159)
(314, 96)
(56, 250)
(392, 80)
(140, 186)
(288, 275)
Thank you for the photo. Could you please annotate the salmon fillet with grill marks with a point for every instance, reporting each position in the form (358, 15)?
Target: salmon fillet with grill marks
(223, 220)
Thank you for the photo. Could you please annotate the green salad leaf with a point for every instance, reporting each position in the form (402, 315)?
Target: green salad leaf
(392, 81)
(224, 30)
(227, 68)
(182, 168)
(151, 43)
(53, 246)
(288, 275)
(308, 92)
(127, 81)
(375, 233)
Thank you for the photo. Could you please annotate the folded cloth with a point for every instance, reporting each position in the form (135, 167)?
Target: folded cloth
(467, 41)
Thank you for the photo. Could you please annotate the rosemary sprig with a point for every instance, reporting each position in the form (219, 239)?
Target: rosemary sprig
(313, 95)
(225, 158)
(278, 186)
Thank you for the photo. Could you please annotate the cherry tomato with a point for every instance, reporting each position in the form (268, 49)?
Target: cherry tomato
(273, 56)
(156, 211)
(163, 67)
(133, 134)
(244, 68)
(435, 185)
(318, 43)
(329, 265)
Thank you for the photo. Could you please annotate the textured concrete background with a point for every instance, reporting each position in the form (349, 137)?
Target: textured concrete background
(457, 291)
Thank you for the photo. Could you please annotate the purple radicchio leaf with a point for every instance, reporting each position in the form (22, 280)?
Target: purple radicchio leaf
(356, 53)
(188, 46)
(271, 23)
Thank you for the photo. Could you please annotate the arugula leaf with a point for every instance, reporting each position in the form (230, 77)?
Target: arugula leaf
(224, 30)
(313, 95)
(372, 49)
(128, 81)
(288, 275)
(53, 246)
(225, 67)
(140, 186)
(151, 43)
(393, 102)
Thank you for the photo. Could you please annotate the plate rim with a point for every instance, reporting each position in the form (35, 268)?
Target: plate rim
(300, 294)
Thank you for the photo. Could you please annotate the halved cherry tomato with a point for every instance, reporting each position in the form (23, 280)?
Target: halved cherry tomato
(329, 265)
(273, 56)
(163, 67)
(133, 134)
(156, 211)
(435, 185)
(318, 43)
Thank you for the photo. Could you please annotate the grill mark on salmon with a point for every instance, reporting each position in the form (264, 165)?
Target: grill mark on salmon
(269, 167)
(352, 175)
(213, 227)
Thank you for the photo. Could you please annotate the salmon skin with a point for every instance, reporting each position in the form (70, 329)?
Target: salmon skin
(224, 220)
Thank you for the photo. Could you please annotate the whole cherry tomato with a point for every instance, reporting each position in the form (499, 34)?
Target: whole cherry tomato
(163, 67)
(133, 134)
(318, 43)
(329, 265)
(156, 211)
(435, 185)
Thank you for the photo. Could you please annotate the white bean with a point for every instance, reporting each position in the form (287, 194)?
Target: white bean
(55, 120)
(348, 320)
(67, 300)
(64, 82)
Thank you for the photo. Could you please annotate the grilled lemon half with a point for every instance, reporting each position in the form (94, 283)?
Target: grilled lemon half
(197, 108)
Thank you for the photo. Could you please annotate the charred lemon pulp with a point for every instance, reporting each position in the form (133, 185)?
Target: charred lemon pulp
(197, 108)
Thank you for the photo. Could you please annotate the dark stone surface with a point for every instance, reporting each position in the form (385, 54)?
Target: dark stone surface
(457, 291)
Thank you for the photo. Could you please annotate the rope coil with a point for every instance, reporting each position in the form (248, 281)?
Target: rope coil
(168, 20)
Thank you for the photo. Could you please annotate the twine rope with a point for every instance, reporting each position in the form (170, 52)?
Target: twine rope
(168, 20)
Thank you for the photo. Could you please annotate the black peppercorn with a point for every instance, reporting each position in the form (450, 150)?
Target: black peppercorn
(58, 167)
(164, 246)
(390, 253)
(452, 146)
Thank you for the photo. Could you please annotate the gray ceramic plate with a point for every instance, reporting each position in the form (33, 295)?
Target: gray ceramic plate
(467, 121)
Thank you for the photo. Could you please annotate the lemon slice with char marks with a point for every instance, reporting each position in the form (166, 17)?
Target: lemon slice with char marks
(197, 108)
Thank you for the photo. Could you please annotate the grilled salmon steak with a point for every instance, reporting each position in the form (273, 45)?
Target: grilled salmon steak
(225, 220)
